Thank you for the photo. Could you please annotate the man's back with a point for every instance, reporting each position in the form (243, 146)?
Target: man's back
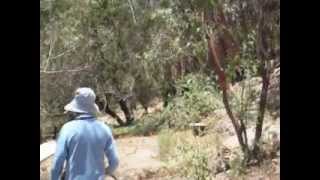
(83, 143)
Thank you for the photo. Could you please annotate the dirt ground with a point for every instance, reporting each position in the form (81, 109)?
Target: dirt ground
(138, 157)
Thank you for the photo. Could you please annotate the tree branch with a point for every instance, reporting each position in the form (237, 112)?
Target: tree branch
(132, 12)
(52, 43)
(64, 71)
(61, 54)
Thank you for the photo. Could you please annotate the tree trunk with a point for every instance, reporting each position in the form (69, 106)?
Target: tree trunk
(114, 115)
(224, 86)
(262, 53)
(126, 110)
(239, 130)
(262, 107)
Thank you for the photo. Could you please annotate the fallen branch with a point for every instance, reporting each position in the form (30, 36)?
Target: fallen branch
(65, 71)
(52, 43)
(132, 12)
(63, 53)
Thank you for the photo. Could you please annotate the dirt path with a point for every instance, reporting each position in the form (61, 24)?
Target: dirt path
(138, 156)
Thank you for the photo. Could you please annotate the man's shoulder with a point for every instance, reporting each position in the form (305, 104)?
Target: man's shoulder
(103, 125)
(75, 124)
(70, 125)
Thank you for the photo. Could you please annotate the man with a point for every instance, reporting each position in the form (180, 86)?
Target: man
(84, 141)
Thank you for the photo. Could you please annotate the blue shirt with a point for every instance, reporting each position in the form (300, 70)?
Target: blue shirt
(82, 143)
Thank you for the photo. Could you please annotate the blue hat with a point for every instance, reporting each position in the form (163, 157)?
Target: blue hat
(83, 102)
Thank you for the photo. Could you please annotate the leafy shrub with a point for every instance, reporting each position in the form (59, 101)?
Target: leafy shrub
(237, 166)
(146, 125)
(151, 124)
(166, 144)
(196, 97)
(196, 163)
(186, 154)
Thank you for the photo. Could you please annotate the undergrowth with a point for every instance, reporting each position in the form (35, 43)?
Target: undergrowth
(196, 98)
(188, 155)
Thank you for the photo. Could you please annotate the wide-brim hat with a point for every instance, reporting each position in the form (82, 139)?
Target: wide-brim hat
(83, 102)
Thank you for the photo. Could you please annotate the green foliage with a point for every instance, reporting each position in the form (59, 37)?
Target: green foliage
(238, 168)
(125, 131)
(166, 144)
(185, 154)
(196, 161)
(151, 124)
(146, 125)
(134, 47)
(243, 100)
(100, 34)
(197, 97)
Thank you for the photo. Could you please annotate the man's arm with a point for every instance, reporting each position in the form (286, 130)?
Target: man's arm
(112, 154)
(59, 156)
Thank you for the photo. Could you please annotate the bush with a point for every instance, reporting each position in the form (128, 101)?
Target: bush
(238, 168)
(186, 154)
(196, 98)
(166, 144)
(196, 163)
(146, 125)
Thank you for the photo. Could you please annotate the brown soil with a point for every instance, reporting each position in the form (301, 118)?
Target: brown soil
(139, 157)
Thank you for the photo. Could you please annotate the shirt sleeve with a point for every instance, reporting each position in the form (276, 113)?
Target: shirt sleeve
(112, 154)
(60, 155)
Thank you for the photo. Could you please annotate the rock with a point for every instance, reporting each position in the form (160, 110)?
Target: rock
(198, 128)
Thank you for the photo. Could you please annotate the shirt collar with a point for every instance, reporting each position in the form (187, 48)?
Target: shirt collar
(85, 116)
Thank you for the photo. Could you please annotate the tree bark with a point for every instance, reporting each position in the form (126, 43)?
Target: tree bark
(238, 129)
(126, 110)
(224, 86)
(262, 107)
(114, 115)
(262, 53)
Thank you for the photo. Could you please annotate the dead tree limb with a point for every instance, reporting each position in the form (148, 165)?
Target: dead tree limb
(65, 71)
